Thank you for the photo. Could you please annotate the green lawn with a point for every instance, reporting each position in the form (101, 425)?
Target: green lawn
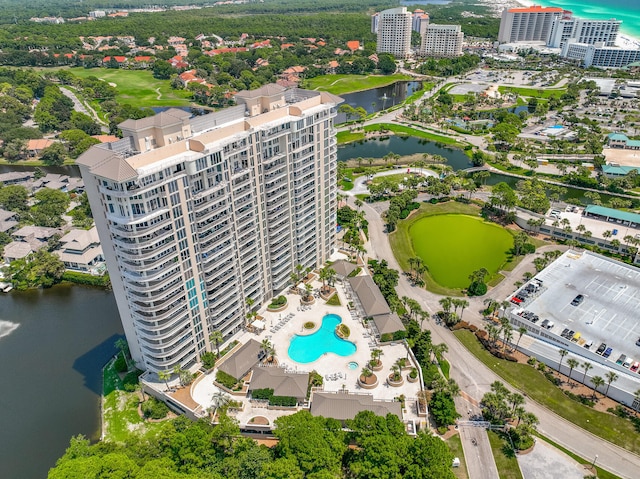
(527, 379)
(405, 130)
(348, 137)
(506, 460)
(138, 87)
(339, 84)
(455, 445)
(121, 418)
(453, 246)
(533, 92)
(401, 241)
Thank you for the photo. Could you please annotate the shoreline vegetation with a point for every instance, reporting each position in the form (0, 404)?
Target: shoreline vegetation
(340, 84)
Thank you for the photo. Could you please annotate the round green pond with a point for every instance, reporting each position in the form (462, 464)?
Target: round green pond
(453, 246)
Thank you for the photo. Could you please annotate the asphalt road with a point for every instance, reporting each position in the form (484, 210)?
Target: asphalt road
(477, 453)
(474, 378)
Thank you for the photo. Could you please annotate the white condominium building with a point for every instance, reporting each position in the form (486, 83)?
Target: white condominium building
(394, 32)
(599, 55)
(529, 24)
(442, 41)
(196, 215)
(565, 27)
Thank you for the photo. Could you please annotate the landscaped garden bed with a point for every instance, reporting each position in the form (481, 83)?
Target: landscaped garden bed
(278, 304)
(367, 380)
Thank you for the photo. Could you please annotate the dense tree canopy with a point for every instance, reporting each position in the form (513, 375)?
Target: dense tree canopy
(309, 447)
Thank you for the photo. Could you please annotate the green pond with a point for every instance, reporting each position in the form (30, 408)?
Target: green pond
(453, 246)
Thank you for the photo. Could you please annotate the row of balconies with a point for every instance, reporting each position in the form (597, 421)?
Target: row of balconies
(164, 360)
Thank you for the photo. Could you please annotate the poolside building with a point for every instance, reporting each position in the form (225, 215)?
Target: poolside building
(369, 300)
(343, 405)
(196, 215)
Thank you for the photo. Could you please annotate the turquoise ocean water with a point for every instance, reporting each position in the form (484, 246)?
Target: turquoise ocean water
(626, 10)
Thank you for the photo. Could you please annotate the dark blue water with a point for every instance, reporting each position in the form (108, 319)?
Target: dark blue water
(402, 145)
(378, 99)
(51, 373)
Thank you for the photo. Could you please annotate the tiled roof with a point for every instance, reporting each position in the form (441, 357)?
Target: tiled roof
(241, 361)
(343, 406)
(369, 296)
(282, 382)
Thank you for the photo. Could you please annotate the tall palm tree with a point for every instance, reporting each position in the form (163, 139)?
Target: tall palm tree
(439, 349)
(516, 400)
(611, 377)
(266, 345)
(562, 353)
(597, 381)
(521, 330)
(164, 376)
(586, 366)
(463, 303)
(216, 338)
(572, 363)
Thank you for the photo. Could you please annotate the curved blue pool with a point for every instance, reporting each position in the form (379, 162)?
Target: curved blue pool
(306, 349)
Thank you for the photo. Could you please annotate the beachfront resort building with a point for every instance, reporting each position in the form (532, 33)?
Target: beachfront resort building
(442, 41)
(198, 215)
(528, 24)
(393, 27)
(566, 27)
(599, 55)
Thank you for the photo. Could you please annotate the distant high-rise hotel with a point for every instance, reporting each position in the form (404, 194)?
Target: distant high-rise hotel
(419, 21)
(530, 24)
(442, 41)
(580, 30)
(197, 215)
(394, 31)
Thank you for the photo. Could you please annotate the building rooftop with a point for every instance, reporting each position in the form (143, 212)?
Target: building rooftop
(282, 382)
(343, 406)
(536, 9)
(612, 213)
(608, 313)
(343, 268)
(242, 360)
(369, 296)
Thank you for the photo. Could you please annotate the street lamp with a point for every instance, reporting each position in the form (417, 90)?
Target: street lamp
(594, 461)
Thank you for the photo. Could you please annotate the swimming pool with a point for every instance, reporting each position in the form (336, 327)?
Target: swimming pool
(306, 349)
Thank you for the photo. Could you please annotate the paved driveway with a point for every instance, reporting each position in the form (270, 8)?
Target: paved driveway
(547, 462)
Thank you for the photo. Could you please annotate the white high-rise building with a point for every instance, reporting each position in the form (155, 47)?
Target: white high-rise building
(442, 41)
(528, 24)
(599, 55)
(196, 215)
(394, 32)
(565, 28)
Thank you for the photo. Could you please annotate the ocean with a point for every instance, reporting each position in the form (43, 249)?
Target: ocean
(626, 10)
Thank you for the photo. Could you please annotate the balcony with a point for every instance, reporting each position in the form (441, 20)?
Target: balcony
(166, 318)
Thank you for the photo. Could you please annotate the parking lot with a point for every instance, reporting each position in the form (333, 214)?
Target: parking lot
(607, 312)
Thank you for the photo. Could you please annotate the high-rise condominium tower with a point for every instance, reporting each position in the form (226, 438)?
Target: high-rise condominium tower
(197, 215)
(394, 32)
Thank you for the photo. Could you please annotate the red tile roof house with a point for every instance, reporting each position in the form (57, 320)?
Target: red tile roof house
(143, 61)
(119, 59)
(353, 45)
(35, 147)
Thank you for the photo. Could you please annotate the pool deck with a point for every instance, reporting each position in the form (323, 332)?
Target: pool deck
(327, 365)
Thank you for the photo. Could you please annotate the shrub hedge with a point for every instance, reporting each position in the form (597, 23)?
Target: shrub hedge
(267, 394)
(154, 409)
(226, 380)
(86, 279)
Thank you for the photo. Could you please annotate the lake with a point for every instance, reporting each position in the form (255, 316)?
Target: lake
(377, 99)
(410, 145)
(53, 344)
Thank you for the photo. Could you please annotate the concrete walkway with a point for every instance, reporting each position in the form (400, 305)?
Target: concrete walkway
(547, 462)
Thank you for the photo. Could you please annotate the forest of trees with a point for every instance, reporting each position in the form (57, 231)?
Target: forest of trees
(309, 447)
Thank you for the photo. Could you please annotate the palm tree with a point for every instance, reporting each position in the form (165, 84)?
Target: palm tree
(463, 303)
(597, 381)
(611, 377)
(586, 366)
(438, 350)
(521, 330)
(216, 338)
(516, 400)
(164, 376)
(375, 357)
(366, 373)
(218, 400)
(266, 345)
(452, 387)
(562, 353)
(572, 363)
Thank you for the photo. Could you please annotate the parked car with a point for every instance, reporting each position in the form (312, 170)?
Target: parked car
(577, 300)
(601, 348)
(607, 353)
(627, 362)
(635, 367)
(621, 359)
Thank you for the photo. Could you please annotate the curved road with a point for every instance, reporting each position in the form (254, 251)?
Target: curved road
(475, 378)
